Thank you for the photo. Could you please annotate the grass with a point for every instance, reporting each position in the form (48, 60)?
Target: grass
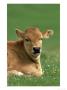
(46, 15)
(51, 69)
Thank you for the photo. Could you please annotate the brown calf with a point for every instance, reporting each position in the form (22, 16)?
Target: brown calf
(24, 54)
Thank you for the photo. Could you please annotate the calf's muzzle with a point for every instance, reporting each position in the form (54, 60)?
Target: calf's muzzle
(36, 50)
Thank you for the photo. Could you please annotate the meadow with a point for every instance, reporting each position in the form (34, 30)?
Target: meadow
(43, 16)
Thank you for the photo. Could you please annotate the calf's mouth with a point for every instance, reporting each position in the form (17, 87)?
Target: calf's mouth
(35, 54)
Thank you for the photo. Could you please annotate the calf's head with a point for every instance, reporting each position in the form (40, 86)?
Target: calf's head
(32, 38)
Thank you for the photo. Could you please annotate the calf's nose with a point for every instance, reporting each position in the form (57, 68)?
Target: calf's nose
(36, 50)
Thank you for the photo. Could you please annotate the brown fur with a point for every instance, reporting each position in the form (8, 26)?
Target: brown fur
(18, 58)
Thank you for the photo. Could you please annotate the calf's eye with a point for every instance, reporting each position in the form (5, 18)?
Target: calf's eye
(27, 40)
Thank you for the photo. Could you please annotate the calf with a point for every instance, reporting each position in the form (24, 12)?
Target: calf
(24, 54)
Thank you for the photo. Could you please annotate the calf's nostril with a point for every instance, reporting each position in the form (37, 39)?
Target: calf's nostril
(36, 49)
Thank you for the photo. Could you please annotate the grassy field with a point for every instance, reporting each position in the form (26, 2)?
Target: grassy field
(44, 16)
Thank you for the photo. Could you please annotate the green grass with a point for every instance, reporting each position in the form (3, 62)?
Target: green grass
(51, 70)
(44, 16)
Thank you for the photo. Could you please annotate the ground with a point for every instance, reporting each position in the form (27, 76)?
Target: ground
(43, 16)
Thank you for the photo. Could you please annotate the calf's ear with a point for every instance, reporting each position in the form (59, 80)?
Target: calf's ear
(19, 33)
(48, 33)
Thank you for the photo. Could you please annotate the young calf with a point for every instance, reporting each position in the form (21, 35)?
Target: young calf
(24, 54)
